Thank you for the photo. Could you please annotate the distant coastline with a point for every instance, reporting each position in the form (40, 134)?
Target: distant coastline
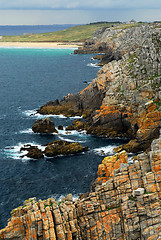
(39, 45)
(13, 30)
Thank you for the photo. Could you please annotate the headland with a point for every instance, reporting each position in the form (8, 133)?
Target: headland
(124, 201)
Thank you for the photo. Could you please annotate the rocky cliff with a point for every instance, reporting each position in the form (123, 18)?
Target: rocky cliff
(124, 204)
(124, 100)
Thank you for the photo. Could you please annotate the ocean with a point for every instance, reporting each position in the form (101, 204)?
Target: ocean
(28, 79)
(23, 29)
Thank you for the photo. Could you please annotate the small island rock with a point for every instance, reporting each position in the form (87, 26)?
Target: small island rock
(44, 126)
(60, 147)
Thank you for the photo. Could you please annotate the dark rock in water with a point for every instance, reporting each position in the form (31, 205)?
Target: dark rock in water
(60, 147)
(98, 56)
(33, 152)
(44, 126)
(60, 127)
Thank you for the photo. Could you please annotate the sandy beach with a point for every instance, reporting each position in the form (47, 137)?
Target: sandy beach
(39, 44)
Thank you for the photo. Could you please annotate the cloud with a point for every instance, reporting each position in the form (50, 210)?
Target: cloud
(38, 17)
(79, 4)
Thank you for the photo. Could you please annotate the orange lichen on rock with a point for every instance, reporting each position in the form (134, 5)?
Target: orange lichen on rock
(87, 88)
(110, 164)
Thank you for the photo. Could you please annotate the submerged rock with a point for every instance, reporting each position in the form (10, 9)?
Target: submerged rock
(44, 126)
(60, 147)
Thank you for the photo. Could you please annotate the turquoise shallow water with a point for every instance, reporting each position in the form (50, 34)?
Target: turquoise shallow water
(28, 79)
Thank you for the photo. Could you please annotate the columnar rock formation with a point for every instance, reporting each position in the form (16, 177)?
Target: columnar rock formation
(124, 204)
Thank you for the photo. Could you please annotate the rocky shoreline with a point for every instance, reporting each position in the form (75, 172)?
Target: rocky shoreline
(123, 101)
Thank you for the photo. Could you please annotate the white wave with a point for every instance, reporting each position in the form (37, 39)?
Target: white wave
(102, 151)
(30, 113)
(29, 131)
(53, 115)
(93, 65)
(76, 117)
(70, 140)
(16, 153)
(35, 114)
(72, 132)
(67, 139)
(59, 197)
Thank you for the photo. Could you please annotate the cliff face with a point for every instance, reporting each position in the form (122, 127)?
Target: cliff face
(124, 100)
(125, 204)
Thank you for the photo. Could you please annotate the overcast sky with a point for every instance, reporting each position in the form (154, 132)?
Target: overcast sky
(77, 11)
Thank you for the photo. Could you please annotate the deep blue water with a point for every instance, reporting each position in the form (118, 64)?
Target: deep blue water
(21, 29)
(28, 79)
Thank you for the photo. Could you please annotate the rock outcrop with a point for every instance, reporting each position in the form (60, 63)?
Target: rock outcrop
(125, 204)
(60, 147)
(44, 126)
(53, 149)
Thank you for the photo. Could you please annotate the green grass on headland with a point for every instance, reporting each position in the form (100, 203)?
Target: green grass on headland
(73, 34)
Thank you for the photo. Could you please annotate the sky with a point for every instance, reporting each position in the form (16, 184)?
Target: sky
(30, 12)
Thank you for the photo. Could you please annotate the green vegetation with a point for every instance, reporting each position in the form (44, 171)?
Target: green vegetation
(73, 34)
(128, 25)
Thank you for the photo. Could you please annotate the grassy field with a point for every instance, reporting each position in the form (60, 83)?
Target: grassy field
(73, 34)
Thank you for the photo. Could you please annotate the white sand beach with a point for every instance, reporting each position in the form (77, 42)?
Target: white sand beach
(40, 44)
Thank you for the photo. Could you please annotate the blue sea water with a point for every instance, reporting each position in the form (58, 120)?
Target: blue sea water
(28, 79)
(23, 29)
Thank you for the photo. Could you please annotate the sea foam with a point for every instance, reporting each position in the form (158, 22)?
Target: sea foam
(93, 65)
(33, 113)
(102, 151)
(16, 153)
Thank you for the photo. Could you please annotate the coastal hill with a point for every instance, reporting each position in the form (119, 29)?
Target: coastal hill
(124, 100)
(73, 34)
